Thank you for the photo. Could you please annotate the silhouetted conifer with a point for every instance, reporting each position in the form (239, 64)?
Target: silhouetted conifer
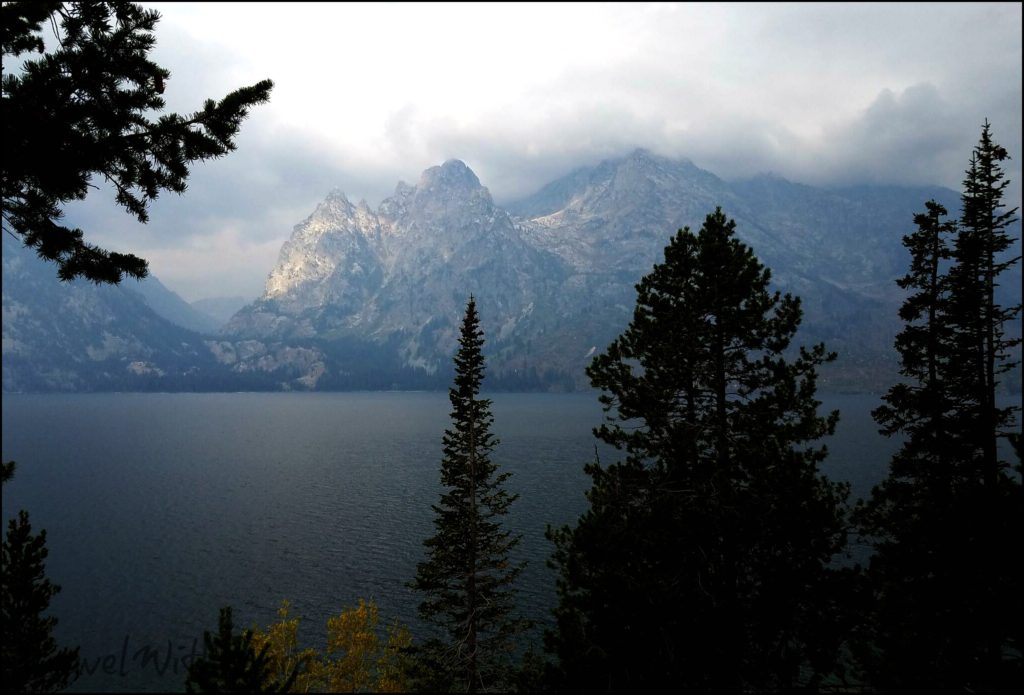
(701, 562)
(468, 577)
(231, 664)
(78, 115)
(946, 522)
(981, 350)
(31, 660)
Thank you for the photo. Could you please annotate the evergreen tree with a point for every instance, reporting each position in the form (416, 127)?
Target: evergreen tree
(231, 664)
(946, 522)
(925, 406)
(912, 515)
(79, 113)
(981, 348)
(31, 661)
(701, 562)
(468, 576)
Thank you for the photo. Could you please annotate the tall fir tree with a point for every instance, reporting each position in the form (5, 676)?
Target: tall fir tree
(912, 515)
(946, 573)
(981, 348)
(468, 576)
(990, 503)
(925, 406)
(702, 560)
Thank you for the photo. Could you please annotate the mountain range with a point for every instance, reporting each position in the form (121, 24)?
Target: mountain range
(372, 298)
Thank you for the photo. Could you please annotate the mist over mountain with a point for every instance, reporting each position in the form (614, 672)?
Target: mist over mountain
(78, 336)
(554, 274)
(220, 309)
(172, 307)
(371, 298)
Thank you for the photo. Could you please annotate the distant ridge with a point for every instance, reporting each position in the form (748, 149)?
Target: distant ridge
(370, 298)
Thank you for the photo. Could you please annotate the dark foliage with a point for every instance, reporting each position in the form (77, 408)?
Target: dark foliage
(945, 579)
(31, 660)
(702, 561)
(230, 664)
(78, 113)
(468, 577)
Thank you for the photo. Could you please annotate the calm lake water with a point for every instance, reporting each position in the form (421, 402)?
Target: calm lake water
(161, 508)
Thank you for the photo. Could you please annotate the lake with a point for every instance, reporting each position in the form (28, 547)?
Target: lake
(161, 508)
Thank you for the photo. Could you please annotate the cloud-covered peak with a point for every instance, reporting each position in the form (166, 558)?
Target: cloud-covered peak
(644, 158)
(642, 154)
(453, 174)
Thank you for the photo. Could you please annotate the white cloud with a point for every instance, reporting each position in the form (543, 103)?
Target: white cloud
(367, 94)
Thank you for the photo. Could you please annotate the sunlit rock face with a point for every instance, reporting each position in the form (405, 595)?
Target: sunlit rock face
(372, 298)
(554, 274)
(400, 275)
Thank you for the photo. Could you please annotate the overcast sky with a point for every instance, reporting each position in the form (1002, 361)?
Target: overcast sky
(367, 95)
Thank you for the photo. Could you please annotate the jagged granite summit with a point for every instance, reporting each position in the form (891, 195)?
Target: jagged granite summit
(364, 298)
(376, 295)
(351, 278)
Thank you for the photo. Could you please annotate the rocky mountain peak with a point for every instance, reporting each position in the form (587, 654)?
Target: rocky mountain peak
(649, 163)
(453, 174)
(371, 299)
(334, 207)
(645, 163)
(640, 155)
